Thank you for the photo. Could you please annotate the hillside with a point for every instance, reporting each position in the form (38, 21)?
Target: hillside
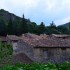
(66, 25)
(5, 16)
(14, 25)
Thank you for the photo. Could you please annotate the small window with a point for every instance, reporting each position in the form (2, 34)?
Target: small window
(45, 51)
(63, 37)
(63, 48)
(15, 41)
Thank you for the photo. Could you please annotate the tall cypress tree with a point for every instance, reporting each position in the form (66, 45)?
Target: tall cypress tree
(24, 26)
(3, 28)
(10, 26)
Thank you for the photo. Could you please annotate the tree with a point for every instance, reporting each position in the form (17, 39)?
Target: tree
(41, 28)
(15, 28)
(32, 27)
(10, 26)
(52, 25)
(63, 30)
(52, 29)
(24, 26)
(69, 27)
(3, 28)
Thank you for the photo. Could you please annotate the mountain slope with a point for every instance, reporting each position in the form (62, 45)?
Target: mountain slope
(66, 25)
(5, 16)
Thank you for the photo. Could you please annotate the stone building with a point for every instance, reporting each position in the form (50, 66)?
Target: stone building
(52, 48)
(43, 48)
(12, 40)
(15, 57)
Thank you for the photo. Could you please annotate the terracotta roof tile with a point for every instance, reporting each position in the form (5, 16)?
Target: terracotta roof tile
(54, 42)
(50, 41)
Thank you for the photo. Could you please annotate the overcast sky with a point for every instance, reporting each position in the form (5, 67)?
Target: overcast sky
(39, 10)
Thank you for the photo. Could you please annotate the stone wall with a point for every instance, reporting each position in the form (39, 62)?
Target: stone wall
(43, 55)
(54, 55)
(13, 44)
(26, 49)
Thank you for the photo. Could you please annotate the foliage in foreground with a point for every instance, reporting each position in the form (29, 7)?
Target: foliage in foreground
(37, 66)
(5, 50)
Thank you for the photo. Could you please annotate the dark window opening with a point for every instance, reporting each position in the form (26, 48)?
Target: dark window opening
(63, 37)
(63, 48)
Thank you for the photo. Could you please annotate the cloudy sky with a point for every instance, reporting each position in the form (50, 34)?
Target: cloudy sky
(39, 10)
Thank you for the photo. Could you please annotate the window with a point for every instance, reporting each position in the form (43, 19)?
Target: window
(45, 53)
(64, 48)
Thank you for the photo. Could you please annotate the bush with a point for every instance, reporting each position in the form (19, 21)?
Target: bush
(38, 66)
(5, 50)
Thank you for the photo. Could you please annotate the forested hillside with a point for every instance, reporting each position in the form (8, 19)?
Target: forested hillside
(14, 25)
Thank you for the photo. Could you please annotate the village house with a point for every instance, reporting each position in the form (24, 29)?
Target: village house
(39, 48)
(54, 49)
(12, 40)
(15, 57)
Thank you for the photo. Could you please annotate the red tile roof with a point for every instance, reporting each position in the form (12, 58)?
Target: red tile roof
(50, 41)
(53, 43)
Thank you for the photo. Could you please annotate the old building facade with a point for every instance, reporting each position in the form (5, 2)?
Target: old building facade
(12, 40)
(43, 48)
(52, 48)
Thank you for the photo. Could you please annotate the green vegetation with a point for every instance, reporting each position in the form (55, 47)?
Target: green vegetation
(37, 66)
(5, 50)
(12, 24)
(5, 53)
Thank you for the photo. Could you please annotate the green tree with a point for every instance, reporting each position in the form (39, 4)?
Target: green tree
(15, 28)
(18, 27)
(24, 26)
(3, 28)
(41, 28)
(69, 27)
(32, 27)
(52, 29)
(52, 25)
(63, 30)
(10, 26)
